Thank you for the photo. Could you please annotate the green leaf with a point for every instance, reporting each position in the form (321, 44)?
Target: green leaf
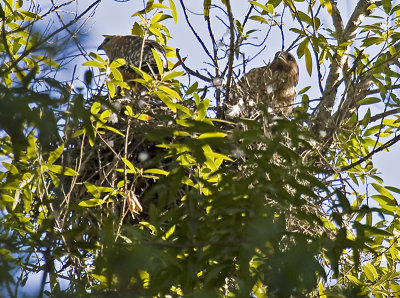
(368, 101)
(95, 108)
(387, 5)
(91, 203)
(267, 8)
(370, 272)
(173, 11)
(117, 63)
(149, 225)
(304, 90)
(46, 60)
(192, 88)
(55, 154)
(170, 92)
(172, 74)
(202, 109)
(383, 191)
(168, 234)
(111, 88)
(130, 166)
(116, 74)
(354, 279)
(96, 56)
(259, 19)
(160, 66)
(207, 7)
(208, 135)
(327, 4)
(166, 100)
(140, 72)
(307, 56)
(156, 171)
(10, 167)
(62, 170)
(93, 63)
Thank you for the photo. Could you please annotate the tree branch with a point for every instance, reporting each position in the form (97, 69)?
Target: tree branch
(190, 71)
(37, 46)
(383, 147)
(194, 31)
(338, 61)
(231, 52)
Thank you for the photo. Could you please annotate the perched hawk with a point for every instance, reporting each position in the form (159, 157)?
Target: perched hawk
(135, 51)
(272, 85)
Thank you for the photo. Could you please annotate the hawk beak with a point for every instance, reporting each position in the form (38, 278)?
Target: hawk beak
(281, 56)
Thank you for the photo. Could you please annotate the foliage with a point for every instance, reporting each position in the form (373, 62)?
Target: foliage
(164, 196)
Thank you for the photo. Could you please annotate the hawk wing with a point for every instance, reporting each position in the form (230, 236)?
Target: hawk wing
(136, 51)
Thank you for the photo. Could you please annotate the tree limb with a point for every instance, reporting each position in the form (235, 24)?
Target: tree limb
(338, 61)
(231, 50)
(383, 147)
(190, 71)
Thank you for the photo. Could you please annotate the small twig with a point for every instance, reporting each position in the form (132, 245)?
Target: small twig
(190, 71)
(194, 31)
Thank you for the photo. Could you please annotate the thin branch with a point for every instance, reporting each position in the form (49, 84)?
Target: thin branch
(383, 147)
(246, 18)
(384, 114)
(194, 31)
(373, 91)
(231, 49)
(190, 71)
(37, 46)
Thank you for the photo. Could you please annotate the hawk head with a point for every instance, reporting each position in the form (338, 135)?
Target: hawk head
(286, 63)
(108, 42)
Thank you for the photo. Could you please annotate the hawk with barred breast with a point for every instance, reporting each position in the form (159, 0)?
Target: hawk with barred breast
(272, 86)
(136, 51)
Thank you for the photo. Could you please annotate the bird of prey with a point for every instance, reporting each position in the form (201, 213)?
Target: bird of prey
(136, 51)
(272, 86)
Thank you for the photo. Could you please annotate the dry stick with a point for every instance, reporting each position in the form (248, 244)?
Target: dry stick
(373, 91)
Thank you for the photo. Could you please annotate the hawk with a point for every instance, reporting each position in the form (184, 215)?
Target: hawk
(136, 51)
(272, 85)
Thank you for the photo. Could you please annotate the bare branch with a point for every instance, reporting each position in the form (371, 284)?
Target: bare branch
(384, 114)
(194, 31)
(190, 71)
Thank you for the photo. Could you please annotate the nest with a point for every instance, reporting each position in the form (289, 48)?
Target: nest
(110, 169)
